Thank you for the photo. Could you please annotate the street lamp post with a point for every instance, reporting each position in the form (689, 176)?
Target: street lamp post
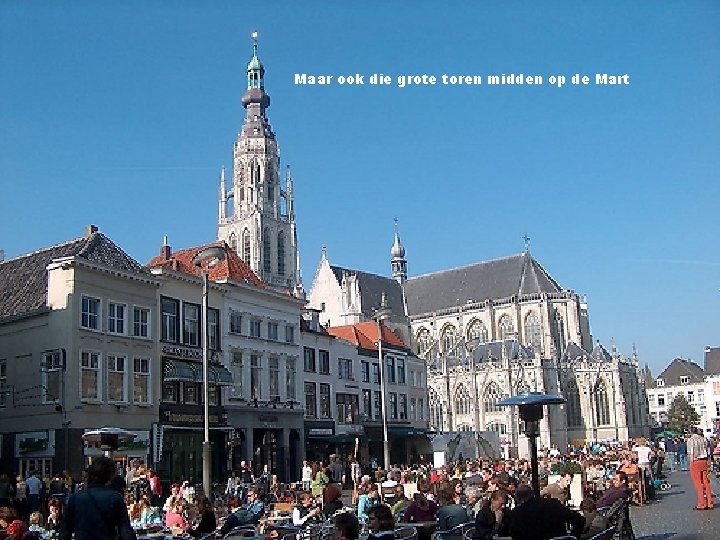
(213, 255)
(381, 314)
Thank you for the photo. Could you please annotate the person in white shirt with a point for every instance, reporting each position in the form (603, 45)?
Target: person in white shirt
(307, 474)
(33, 485)
(644, 452)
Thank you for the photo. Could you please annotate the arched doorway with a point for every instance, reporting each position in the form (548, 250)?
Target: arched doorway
(268, 452)
(293, 456)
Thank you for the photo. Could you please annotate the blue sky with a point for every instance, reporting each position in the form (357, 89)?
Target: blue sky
(122, 114)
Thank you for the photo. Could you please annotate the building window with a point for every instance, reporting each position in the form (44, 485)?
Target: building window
(90, 375)
(377, 405)
(191, 324)
(347, 408)
(52, 373)
(141, 322)
(393, 406)
(141, 380)
(290, 372)
(684, 379)
(116, 318)
(574, 411)
(170, 319)
(255, 367)
(213, 329)
(691, 396)
(423, 341)
(324, 361)
(462, 400)
(533, 332)
(3, 383)
(559, 333)
(492, 396)
(413, 408)
(246, 246)
(170, 392)
(273, 331)
(309, 355)
(345, 370)
(403, 407)
(324, 400)
(390, 366)
(274, 379)
(281, 253)
(436, 410)
(255, 328)
(289, 334)
(448, 339)
(660, 383)
(421, 409)
(236, 363)
(376, 373)
(476, 334)
(701, 396)
(190, 393)
(266, 252)
(310, 401)
(661, 400)
(602, 405)
(235, 322)
(116, 378)
(506, 327)
(365, 368)
(367, 404)
(401, 371)
(90, 313)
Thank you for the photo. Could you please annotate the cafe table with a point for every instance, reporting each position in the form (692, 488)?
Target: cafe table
(424, 528)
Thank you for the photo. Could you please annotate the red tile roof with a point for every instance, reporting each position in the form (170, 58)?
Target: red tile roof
(232, 267)
(365, 335)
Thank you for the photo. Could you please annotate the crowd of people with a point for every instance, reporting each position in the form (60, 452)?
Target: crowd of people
(486, 498)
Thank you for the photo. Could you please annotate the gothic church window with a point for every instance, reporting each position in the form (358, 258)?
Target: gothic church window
(241, 194)
(233, 242)
(462, 400)
(476, 334)
(266, 251)
(269, 186)
(281, 253)
(572, 407)
(533, 332)
(448, 339)
(506, 327)
(230, 207)
(559, 333)
(246, 246)
(436, 410)
(491, 398)
(423, 341)
(602, 405)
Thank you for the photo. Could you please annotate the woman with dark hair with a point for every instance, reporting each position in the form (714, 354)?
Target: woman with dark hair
(381, 523)
(420, 509)
(450, 514)
(55, 514)
(492, 518)
(332, 495)
(207, 523)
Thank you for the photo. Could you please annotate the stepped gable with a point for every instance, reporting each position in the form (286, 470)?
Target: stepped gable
(24, 279)
(516, 275)
(231, 268)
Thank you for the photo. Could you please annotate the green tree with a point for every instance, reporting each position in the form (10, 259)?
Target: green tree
(681, 416)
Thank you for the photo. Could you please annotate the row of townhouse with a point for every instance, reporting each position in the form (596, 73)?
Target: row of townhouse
(91, 338)
(699, 386)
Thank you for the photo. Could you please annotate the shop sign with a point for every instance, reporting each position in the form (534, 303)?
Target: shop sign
(138, 447)
(320, 431)
(35, 444)
(350, 429)
(268, 418)
(188, 418)
(182, 352)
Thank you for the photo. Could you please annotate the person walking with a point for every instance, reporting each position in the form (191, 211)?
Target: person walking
(33, 486)
(698, 457)
(682, 454)
(98, 512)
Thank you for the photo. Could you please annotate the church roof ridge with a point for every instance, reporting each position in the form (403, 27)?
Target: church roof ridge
(470, 265)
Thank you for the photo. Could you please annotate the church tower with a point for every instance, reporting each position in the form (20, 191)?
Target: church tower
(398, 263)
(256, 215)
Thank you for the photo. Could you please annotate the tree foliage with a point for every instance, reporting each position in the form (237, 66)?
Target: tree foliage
(681, 416)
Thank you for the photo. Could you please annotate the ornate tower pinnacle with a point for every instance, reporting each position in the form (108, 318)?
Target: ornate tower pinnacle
(256, 214)
(398, 264)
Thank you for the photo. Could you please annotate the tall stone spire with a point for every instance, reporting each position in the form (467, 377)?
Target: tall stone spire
(398, 264)
(257, 215)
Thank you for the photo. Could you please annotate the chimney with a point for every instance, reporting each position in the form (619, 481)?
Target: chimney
(90, 230)
(165, 250)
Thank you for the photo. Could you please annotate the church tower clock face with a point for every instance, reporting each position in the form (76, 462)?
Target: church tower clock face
(256, 210)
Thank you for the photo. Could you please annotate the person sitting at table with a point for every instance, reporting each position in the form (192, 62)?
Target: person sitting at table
(538, 518)
(345, 527)
(492, 518)
(628, 466)
(332, 500)
(381, 523)
(249, 514)
(367, 500)
(306, 511)
(594, 521)
(450, 514)
(420, 509)
(400, 502)
(37, 523)
(207, 523)
(618, 490)
(458, 490)
(175, 514)
(174, 494)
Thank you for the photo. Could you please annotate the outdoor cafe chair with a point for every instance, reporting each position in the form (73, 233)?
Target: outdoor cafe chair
(456, 533)
(406, 533)
(244, 531)
(607, 534)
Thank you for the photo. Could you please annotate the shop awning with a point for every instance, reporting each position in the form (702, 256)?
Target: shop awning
(178, 370)
(407, 431)
(220, 375)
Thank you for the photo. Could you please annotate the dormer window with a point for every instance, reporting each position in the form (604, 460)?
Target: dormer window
(684, 379)
(660, 382)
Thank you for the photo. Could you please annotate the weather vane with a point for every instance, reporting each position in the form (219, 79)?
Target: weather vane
(527, 242)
